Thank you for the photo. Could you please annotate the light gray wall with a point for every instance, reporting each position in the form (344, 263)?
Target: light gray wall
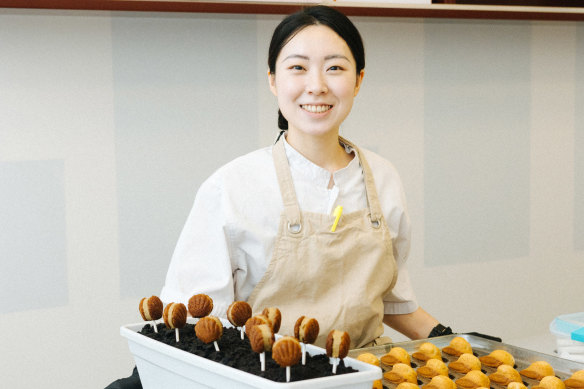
(110, 121)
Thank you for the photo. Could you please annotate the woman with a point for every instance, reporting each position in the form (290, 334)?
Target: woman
(261, 226)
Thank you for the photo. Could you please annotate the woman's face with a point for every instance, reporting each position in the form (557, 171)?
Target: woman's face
(315, 81)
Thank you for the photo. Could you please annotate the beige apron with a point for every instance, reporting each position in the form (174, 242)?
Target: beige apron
(338, 278)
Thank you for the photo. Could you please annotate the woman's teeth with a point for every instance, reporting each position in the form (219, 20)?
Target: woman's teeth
(316, 108)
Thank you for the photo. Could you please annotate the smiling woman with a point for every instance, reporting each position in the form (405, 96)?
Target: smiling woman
(264, 229)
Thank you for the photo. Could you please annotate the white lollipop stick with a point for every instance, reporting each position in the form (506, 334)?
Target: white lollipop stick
(216, 346)
(155, 326)
(241, 331)
(176, 333)
(335, 363)
(263, 361)
(287, 373)
(303, 346)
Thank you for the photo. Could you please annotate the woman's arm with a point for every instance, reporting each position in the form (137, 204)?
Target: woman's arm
(415, 325)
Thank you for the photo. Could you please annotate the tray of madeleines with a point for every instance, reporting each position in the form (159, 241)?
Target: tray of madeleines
(462, 361)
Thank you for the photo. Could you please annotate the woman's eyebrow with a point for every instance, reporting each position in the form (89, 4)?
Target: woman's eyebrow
(328, 57)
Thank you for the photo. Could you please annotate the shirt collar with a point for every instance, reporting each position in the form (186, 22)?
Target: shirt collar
(309, 170)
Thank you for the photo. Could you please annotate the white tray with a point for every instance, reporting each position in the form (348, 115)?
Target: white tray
(164, 366)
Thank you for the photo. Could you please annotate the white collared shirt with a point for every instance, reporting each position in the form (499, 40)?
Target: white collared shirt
(227, 241)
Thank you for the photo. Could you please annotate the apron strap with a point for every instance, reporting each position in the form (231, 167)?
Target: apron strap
(291, 207)
(372, 197)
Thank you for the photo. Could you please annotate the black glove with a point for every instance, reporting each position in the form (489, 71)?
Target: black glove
(132, 382)
(440, 330)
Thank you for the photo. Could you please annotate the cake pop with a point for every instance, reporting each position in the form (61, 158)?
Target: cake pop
(337, 346)
(175, 317)
(274, 316)
(306, 331)
(286, 352)
(261, 339)
(200, 305)
(255, 320)
(209, 329)
(151, 310)
(238, 313)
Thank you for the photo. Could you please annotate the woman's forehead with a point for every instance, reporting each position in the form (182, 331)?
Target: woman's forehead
(316, 41)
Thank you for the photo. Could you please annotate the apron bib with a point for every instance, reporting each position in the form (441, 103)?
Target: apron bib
(339, 278)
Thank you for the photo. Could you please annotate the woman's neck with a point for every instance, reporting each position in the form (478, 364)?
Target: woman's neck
(322, 150)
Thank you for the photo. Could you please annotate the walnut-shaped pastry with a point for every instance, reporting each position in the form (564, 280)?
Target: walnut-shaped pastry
(200, 305)
(372, 360)
(273, 314)
(550, 382)
(369, 358)
(504, 375)
(516, 385)
(474, 379)
(396, 355)
(286, 352)
(407, 385)
(427, 351)
(238, 313)
(209, 329)
(401, 372)
(151, 310)
(576, 381)
(537, 370)
(306, 330)
(498, 357)
(175, 317)
(465, 363)
(458, 346)
(261, 339)
(440, 382)
(432, 368)
(255, 320)
(337, 346)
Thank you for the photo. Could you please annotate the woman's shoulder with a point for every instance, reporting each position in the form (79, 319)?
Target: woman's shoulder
(253, 169)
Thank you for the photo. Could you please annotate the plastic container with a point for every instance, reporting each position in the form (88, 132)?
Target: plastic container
(163, 366)
(569, 332)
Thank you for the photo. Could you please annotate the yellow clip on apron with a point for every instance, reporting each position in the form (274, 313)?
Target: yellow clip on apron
(339, 278)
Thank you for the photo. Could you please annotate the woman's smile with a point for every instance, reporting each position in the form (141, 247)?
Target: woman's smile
(316, 108)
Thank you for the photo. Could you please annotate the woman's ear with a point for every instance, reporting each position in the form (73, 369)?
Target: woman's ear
(272, 81)
(359, 81)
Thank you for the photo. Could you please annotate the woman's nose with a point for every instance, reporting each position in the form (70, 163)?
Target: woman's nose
(316, 83)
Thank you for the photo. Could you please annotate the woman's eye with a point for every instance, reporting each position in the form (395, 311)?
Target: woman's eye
(296, 67)
(335, 68)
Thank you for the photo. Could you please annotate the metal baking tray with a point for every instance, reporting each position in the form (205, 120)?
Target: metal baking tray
(563, 368)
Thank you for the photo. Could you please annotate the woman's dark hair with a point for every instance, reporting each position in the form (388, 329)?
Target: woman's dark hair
(310, 16)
